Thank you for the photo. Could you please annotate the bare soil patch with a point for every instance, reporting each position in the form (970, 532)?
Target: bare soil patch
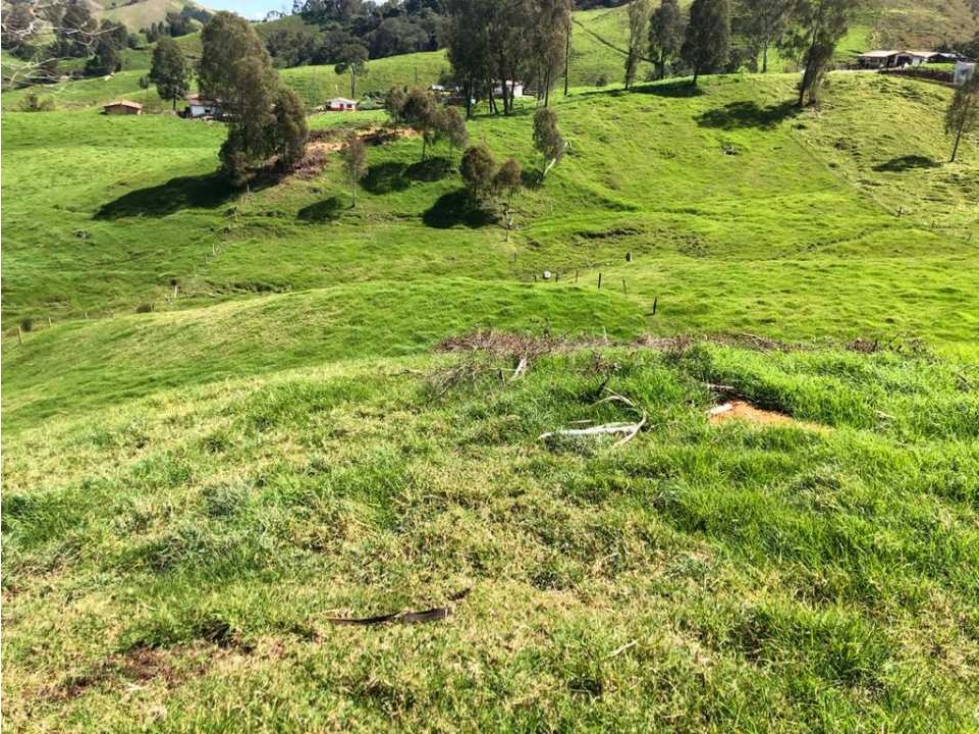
(324, 142)
(745, 411)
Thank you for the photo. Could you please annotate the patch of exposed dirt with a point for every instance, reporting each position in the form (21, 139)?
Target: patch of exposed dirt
(324, 142)
(610, 233)
(139, 665)
(745, 411)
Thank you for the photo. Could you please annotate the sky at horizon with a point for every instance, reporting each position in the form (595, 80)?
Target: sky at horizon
(251, 9)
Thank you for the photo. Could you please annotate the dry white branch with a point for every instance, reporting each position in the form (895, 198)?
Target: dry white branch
(619, 650)
(521, 368)
(629, 429)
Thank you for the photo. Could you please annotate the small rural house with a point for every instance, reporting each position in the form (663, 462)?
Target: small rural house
(341, 104)
(897, 59)
(123, 107)
(514, 88)
(964, 71)
(198, 106)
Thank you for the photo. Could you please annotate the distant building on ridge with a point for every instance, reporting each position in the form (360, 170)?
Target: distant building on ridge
(123, 107)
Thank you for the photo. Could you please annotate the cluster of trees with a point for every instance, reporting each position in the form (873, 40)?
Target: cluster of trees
(111, 38)
(485, 179)
(419, 110)
(491, 185)
(375, 29)
(718, 35)
(177, 24)
(266, 119)
(47, 33)
(492, 43)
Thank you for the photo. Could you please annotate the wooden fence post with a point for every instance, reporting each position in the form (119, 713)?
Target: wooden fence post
(20, 339)
(599, 281)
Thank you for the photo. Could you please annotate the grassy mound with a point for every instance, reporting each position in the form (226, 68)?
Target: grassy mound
(698, 578)
(252, 336)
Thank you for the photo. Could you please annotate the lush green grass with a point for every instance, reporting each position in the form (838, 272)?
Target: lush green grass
(258, 335)
(173, 564)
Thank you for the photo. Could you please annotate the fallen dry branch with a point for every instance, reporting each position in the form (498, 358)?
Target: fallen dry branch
(521, 368)
(436, 614)
(728, 391)
(629, 430)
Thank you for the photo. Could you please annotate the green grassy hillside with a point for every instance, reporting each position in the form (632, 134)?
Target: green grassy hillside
(192, 494)
(141, 13)
(730, 175)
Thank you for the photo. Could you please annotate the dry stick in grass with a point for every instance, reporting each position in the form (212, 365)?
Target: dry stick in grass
(428, 615)
(619, 650)
(521, 368)
(631, 430)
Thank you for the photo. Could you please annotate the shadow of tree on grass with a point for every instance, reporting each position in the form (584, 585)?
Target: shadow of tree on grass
(327, 210)
(384, 178)
(456, 208)
(906, 163)
(186, 192)
(675, 90)
(747, 114)
(430, 169)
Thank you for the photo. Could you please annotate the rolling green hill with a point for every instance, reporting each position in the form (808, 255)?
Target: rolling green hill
(139, 14)
(254, 412)
(732, 173)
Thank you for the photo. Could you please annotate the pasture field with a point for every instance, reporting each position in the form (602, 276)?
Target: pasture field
(174, 564)
(256, 412)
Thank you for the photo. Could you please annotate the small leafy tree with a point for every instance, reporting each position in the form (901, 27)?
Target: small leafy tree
(419, 111)
(762, 22)
(352, 57)
(291, 131)
(478, 170)
(169, 71)
(818, 25)
(638, 22)
(354, 155)
(33, 103)
(708, 36)
(394, 102)
(452, 127)
(547, 139)
(236, 68)
(666, 27)
(962, 116)
(507, 182)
